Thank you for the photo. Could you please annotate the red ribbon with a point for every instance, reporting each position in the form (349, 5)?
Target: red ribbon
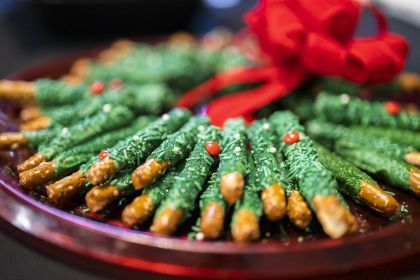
(303, 38)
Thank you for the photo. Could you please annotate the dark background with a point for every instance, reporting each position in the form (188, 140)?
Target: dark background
(32, 31)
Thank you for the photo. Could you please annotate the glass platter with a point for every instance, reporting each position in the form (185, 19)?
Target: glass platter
(381, 247)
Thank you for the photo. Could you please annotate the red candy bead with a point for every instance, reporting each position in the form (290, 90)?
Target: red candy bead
(103, 154)
(97, 87)
(115, 84)
(291, 137)
(392, 107)
(213, 148)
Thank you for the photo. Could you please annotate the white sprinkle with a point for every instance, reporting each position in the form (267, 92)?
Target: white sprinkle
(237, 136)
(64, 130)
(165, 117)
(266, 126)
(201, 128)
(273, 150)
(199, 236)
(237, 149)
(136, 137)
(344, 98)
(176, 149)
(106, 108)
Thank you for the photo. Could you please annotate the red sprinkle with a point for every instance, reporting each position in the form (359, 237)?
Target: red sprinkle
(115, 84)
(213, 148)
(97, 87)
(291, 137)
(392, 107)
(103, 154)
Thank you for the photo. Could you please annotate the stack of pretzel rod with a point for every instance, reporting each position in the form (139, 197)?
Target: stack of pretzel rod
(177, 163)
(111, 135)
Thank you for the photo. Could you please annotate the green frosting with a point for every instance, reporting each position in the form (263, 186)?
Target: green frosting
(37, 137)
(179, 144)
(404, 137)
(212, 192)
(264, 152)
(349, 176)
(328, 134)
(56, 93)
(70, 160)
(190, 181)
(338, 86)
(160, 188)
(394, 171)
(123, 183)
(67, 163)
(115, 117)
(302, 159)
(344, 109)
(251, 200)
(131, 152)
(233, 157)
(142, 100)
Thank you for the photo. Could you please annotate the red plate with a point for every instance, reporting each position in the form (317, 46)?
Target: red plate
(380, 248)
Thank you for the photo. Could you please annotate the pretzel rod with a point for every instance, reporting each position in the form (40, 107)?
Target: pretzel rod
(267, 173)
(233, 160)
(394, 171)
(143, 206)
(357, 184)
(328, 133)
(212, 208)
(175, 148)
(187, 186)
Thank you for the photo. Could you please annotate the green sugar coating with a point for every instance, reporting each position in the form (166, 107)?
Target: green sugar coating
(160, 188)
(123, 183)
(250, 201)
(115, 117)
(344, 109)
(404, 137)
(394, 171)
(264, 154)
(302, 159)
(233, 158)
(284, 177)
(190, 181)
(56, 93)
(328, 134)
(179, 144)
(179, 67)
(66, 163)
(37, 137)
(130, 152)
(71, 159)
(349, 176)
(111, 138)
(212, 192)
(142, 100)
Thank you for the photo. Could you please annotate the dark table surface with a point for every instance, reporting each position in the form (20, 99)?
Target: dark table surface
(25, 39)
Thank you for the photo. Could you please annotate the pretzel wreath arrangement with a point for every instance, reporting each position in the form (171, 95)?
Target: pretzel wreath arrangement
(283, 133)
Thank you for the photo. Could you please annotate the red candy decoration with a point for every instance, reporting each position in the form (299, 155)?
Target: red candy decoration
(115, 84)
(97, 87)
(392, 107)
(103, 154)
(213, 148)
(291, 137)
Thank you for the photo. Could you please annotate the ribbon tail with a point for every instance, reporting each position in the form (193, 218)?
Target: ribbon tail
(235, 76)
(246, 102)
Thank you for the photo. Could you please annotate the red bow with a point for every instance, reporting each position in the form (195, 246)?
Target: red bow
(302, 38)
